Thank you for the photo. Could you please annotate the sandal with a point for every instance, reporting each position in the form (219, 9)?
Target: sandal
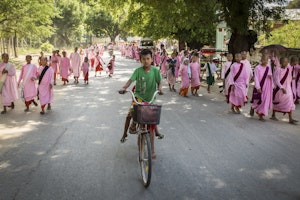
(160, 136)
(123, 139)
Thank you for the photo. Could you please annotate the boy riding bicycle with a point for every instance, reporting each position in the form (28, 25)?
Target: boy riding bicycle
(148, 80)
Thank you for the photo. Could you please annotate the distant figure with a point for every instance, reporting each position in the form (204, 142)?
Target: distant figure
(75, 64)
(8, 83)
(85, 70)
(111, 66)
(195, 74)
(65, 68)
(225, 75)
(45, 88)
(28, 77)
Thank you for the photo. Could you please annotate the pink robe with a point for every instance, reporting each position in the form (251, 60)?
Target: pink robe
(267, 90)
(225, 67)
(170, 76)
(163, 60)
(238, 97)
(65, 68)
(294, 75)
(98, 61)
(54, 63)
(249, 73)
(9, 90)
(75, 63)
(283, 102)
(178, 61)
(112, 64)
(195, 74)
(157, 58)
(185, 80)
(45, 92)
(85, 70)
(29, 86)
(297, 81)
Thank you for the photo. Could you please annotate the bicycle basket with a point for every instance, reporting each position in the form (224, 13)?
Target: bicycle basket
(146, 114)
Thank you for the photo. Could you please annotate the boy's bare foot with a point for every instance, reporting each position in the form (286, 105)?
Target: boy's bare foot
(153, 156)
(123, 139)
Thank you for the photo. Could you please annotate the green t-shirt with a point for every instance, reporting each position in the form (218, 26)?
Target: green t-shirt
(146, 82)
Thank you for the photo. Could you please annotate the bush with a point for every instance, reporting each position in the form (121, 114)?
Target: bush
(47, 47)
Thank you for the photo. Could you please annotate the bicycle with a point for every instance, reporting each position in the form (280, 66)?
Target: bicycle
(145, 115)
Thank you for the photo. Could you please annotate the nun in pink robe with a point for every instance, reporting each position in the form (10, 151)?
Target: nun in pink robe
(65, 68)
(163, 61)
(297, 83)
(85, 70)
(225, 68)
(9, 91)
(178, 59)
(157, 57)
(195, 77)
(28, 77)
(283, 103)
(111, 66)
(247, 65)
(238, 96)
(185, 79)
(45, 88)
(263, 108)
(75, 64)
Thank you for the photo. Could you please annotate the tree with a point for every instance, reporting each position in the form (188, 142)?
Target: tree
(69, 24)
(240, 15)
(295, 4)
(190, 21)
(102, 24)
(25, 19)
(288, 35)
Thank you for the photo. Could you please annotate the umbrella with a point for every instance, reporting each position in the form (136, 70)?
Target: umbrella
(274, 47)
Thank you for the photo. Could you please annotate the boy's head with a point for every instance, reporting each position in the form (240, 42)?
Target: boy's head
(146, 57)
(229, 57)
(284, 62)
(238, 57)
(86, 59)
(28, 59)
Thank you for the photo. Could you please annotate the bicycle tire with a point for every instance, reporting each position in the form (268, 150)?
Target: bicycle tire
(145, 159)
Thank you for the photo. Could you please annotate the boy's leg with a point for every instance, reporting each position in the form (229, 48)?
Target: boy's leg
(251, 112)
(126, 126)
(152, 143)
(157, 134)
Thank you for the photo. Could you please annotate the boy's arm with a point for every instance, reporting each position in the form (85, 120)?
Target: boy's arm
(127, 84)
(159, 86)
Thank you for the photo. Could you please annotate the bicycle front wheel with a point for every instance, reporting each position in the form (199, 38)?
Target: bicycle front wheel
(145, 159)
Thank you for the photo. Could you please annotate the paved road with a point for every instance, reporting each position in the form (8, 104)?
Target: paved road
(73, 152)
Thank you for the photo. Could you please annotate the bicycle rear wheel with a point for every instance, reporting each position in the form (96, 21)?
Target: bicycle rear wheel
(145, 158)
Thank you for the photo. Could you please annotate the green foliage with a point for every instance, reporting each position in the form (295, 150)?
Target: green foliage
(47, 47)
(102, 24)
(69, 25)
(185, 20)
(294, 4)
(288, 35)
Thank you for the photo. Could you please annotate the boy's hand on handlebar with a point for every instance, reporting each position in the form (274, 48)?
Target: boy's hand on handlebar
(122, 91)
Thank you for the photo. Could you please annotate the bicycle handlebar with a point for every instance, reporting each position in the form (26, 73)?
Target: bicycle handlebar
(134, 99)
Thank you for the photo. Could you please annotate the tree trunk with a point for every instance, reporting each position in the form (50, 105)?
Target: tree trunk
(15, 44)
(181, 45)
(242, 42)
